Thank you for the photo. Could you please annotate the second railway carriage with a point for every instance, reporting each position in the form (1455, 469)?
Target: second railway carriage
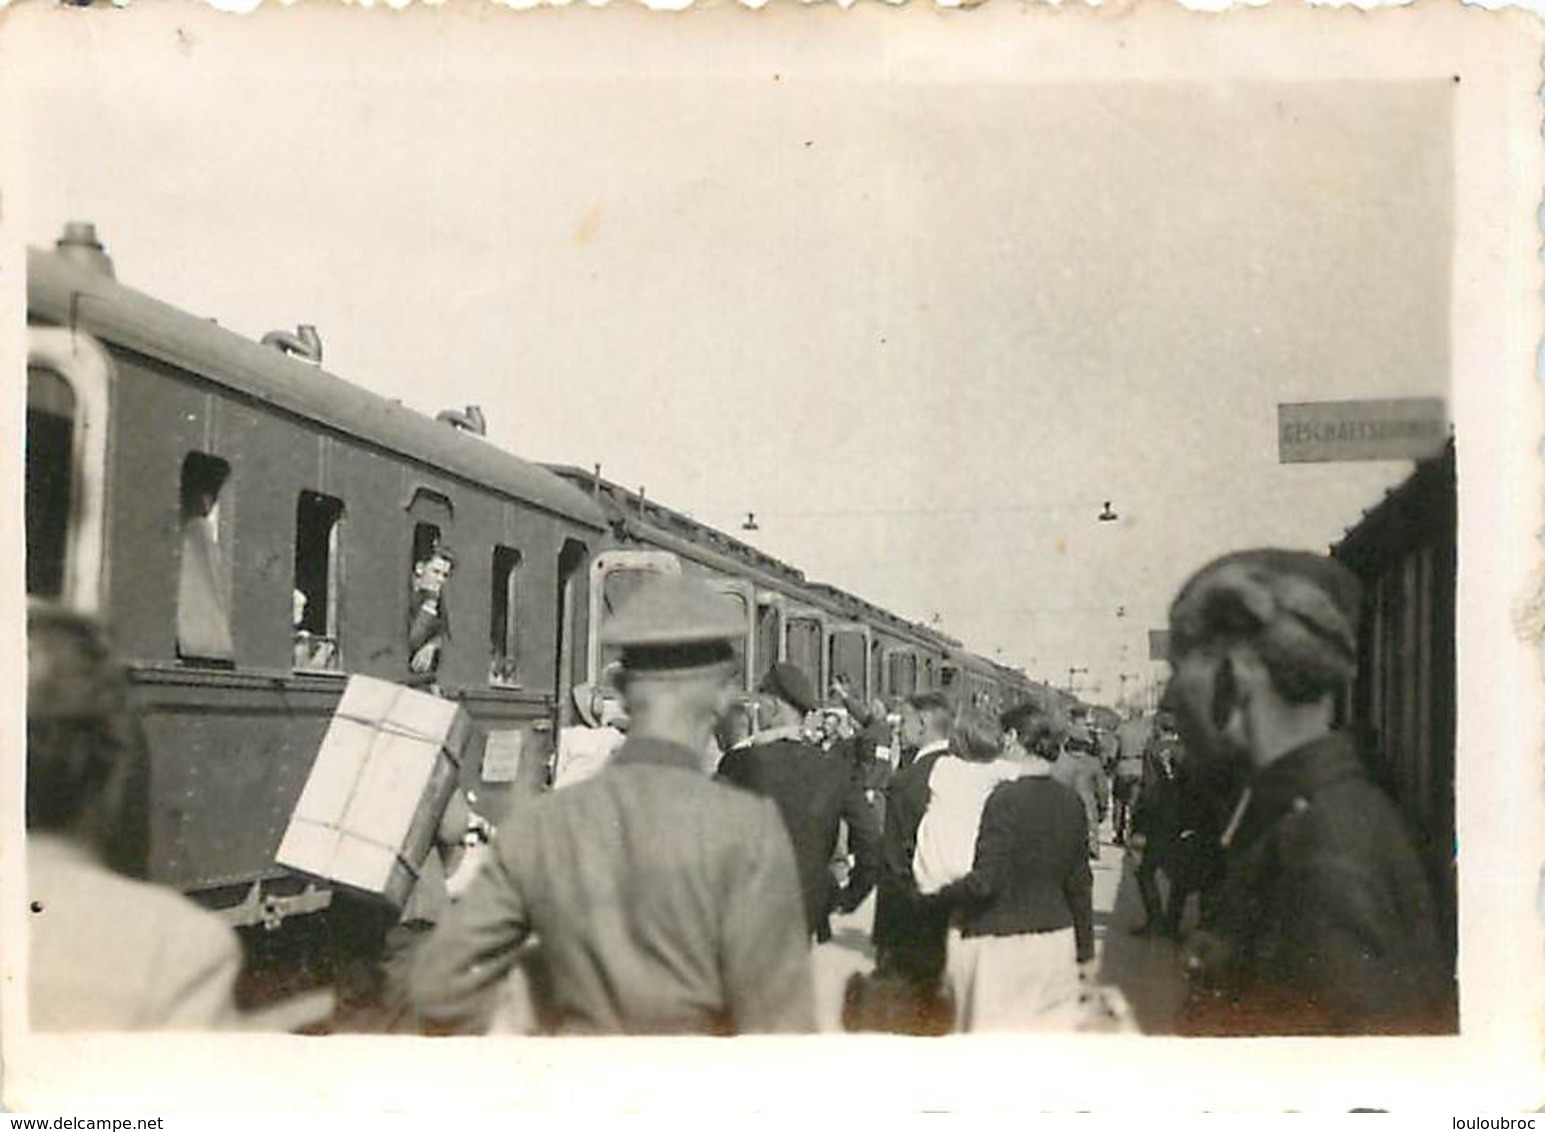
(247, 525)
(826, 631)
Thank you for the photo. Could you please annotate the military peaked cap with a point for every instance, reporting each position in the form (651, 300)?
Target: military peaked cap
(789, 683)
(671, 623)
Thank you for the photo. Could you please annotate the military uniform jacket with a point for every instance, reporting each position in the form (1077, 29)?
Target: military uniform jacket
(816, 792)
(1325, 923)
(663, 903)
(909, 932)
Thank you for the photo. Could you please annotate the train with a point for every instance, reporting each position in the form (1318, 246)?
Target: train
(247, 524)
(1402, 705)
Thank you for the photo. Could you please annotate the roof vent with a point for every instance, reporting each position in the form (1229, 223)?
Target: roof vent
(471, 421)
(305, 343)
(79, 244)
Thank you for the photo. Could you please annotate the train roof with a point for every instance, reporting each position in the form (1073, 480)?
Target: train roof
(622, 504)
(67, 293)
(631, 507)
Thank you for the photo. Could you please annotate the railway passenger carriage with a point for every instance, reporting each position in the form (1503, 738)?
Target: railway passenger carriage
(1403, 703)
(248, 525)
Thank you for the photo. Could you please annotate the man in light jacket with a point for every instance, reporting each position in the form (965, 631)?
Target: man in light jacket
(664, 902)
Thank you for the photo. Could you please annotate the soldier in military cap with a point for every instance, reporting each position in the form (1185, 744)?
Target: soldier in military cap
(1324, 923)
(664, 902)
(817, 794)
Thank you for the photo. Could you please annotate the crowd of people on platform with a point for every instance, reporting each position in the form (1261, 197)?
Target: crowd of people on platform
(697, 843)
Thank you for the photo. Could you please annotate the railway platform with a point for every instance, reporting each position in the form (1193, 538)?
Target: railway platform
(1148, 971)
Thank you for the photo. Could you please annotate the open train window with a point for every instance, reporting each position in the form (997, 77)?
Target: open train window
(846, 658)
(504, 618)
(769, 622)
(69, 399)
(203, 579)
(803, 647)
(429, 619)
(50, 477)
(739, 644)
(318, 581)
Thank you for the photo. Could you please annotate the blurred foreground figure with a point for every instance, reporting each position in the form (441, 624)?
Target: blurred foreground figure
(662, 902)
(107, 952)
(1324, 923)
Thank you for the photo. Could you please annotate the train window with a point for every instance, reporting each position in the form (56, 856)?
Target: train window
(504, 618)
(739, 644)
(318, 553)
(845, 658)
(903, 674)
(50, 480)
(803, 647)
(429, 622)
(768, 621)
(203, 581)
(426, 536)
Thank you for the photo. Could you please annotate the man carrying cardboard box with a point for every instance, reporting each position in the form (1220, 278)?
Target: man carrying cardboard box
(664, 902)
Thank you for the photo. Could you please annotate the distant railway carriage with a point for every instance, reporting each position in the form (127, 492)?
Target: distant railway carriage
(248, 525)
(826, 631)
(1402, 704)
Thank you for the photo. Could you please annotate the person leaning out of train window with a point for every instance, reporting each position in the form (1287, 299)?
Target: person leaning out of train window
(1324, 923)
(1022, 914)
(107, 952)
(429, 623)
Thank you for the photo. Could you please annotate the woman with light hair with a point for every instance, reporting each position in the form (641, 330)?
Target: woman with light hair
(1324, 923)
(1001, 849)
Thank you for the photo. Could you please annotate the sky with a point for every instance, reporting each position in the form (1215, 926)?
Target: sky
(924, 329)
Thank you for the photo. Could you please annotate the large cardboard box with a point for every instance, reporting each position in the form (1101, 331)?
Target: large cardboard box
(386, 768)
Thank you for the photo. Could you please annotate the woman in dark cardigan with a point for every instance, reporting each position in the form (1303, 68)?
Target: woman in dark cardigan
(1022, 920)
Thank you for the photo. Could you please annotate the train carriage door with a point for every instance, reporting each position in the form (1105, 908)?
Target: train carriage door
(570, 624)
(848, 657)
(68, 389)
(614, 576)
(769, 633)
(744, 596)
(805, 644)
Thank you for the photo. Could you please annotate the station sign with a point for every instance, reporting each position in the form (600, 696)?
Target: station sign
(1312, 432)
(1158, 644)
